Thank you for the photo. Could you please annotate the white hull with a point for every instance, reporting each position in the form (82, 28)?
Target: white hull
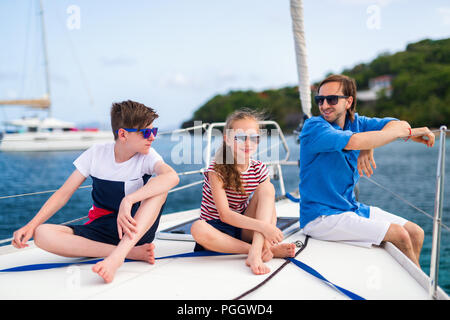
(53, 141)
(375, 273)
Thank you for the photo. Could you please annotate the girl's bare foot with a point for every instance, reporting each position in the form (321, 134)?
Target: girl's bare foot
(283, 250)
(144, 253)
(256, 264)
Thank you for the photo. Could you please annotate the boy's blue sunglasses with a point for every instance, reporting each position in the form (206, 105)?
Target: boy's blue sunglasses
(145, 132)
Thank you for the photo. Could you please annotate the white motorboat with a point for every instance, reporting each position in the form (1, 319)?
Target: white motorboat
(49, 134)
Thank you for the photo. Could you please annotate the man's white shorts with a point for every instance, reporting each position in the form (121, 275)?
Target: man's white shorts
(350, 228)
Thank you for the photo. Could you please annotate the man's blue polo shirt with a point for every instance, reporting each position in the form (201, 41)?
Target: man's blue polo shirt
(328, 173)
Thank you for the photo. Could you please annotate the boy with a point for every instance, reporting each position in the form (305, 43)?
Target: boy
(127, 204)
(334, 147)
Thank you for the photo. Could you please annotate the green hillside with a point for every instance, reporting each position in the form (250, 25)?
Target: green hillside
(421, 90)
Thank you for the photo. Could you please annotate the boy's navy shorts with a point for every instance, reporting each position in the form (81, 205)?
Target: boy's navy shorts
(230, 230)
(104, 229)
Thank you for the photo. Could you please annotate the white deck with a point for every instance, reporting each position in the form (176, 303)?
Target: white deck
(371, 273)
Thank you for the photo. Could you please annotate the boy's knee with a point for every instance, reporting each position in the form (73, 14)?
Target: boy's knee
(39, 234)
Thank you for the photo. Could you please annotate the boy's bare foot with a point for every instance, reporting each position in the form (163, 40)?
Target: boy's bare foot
(144, 253)
(283, 250)
(256, 264)
(107, 268)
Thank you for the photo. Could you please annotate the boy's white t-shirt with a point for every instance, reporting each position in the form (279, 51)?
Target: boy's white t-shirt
(111, 180)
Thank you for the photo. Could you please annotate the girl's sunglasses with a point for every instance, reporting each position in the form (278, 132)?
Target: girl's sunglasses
(242, 137)
(331, 100)
(145, 132)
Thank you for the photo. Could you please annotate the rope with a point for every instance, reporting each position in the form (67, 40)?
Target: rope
(46, 266)
(39, 192)
(192, 184)
(303, 246)
(405, 201)
(89, 186)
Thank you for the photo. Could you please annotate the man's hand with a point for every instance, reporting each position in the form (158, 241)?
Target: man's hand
(365, 163)
(125, 222)
(423, 135)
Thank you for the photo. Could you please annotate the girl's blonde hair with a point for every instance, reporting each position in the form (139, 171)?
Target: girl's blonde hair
(225, 163)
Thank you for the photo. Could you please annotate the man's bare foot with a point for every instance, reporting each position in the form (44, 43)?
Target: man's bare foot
(283, 250)
(107, 268)
(144, 253)
(257, 265)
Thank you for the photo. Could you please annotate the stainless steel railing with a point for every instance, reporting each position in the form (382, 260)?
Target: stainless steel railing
(438, 205)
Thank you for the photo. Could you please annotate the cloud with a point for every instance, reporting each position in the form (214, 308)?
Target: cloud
(176, 80)
(182, 80)
(218, 80)
(444, 12)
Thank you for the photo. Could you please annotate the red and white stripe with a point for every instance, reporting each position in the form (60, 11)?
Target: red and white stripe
(256, 173)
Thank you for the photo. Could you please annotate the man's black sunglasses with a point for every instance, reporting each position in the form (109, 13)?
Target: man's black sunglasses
(331, 100)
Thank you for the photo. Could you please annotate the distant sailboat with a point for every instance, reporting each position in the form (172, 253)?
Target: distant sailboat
(48, 134)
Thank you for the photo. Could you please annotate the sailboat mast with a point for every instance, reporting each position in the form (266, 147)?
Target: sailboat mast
(300, 51)
(39, 103)
(44, 49)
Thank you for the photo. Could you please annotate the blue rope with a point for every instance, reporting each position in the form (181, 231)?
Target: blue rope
(316, 274)
(291, 197)
(45, 266)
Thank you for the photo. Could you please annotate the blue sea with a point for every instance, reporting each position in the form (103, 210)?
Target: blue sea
(406, 168)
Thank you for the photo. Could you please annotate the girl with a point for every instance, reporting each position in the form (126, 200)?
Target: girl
(238, 204)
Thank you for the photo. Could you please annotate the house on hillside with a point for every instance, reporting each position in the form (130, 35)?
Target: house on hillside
(375, 86)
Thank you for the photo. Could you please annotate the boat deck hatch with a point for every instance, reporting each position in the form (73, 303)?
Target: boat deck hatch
(182, 231)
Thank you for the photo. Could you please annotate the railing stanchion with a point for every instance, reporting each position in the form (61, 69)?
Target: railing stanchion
(438, 204)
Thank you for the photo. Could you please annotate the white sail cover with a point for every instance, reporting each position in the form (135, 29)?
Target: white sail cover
(300, 51)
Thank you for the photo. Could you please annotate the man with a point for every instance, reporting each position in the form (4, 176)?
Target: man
(335, 149)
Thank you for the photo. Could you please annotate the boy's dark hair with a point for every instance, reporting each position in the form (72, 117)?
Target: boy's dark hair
(131, 114)
(348, 86)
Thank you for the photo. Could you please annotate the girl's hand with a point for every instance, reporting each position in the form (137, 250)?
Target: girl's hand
(21, 236)
(125, 222)
(366, 162)
(423, 135)
(272, 234)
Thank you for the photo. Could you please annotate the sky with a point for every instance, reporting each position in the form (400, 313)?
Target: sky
(175, 55)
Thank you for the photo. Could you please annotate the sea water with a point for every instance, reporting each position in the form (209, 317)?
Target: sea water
(406, 168)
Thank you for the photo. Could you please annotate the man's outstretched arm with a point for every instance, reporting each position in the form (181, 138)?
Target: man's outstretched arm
(390, 132)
